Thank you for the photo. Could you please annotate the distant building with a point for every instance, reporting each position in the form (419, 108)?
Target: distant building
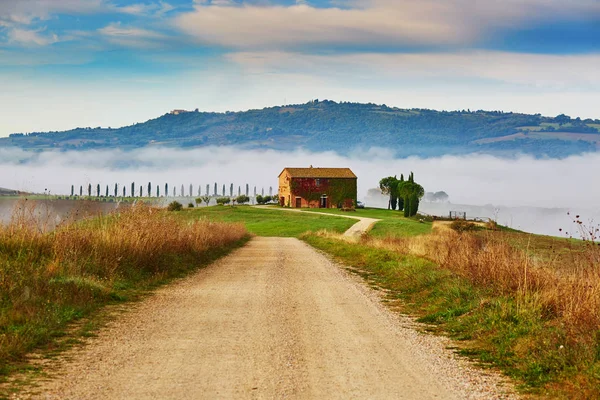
(177, 112)
(317, 188)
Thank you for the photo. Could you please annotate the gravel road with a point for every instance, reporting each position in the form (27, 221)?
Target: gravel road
(275, 319)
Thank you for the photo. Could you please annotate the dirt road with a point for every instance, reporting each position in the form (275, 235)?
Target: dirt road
(274, 319)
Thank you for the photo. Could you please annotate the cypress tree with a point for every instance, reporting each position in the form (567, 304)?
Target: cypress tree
(157, 191)
(98, 190)
(89, 190)
(167, 189)
(124, 191)
(80, 190)
(207, 189)
(247, 190)
(72, 190)
(149, 189)
(106, 191)
(182, 193)
(116, 189)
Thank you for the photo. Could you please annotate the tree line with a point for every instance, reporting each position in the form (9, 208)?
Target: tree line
(150, 191)
(405, 195)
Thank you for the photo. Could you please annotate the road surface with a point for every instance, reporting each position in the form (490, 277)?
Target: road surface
(274, 320)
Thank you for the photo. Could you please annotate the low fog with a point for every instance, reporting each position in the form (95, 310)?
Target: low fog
(526, 193)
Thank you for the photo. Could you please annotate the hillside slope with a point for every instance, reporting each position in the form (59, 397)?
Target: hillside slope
(340, 127)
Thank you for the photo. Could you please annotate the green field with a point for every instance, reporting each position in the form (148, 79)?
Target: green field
(270, 222)
(392, 224)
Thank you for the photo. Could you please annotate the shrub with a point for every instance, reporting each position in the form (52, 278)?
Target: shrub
(190, 205)
(175, 206)
(242, 199)
(460, 225)
(223, 200)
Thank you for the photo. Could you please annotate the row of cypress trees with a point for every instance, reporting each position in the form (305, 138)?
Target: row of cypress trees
(132, 193)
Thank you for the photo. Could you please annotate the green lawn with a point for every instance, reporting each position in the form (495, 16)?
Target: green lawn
(273, 222)
(392, 223)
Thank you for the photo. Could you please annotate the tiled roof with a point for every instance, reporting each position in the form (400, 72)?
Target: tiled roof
(319, 172)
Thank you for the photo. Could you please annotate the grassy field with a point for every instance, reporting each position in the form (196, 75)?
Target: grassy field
(50, 279)
(269, 222)
(392, 224)
(527, 304)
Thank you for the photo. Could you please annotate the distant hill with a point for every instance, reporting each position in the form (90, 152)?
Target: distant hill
(8, 192)
(341, 127)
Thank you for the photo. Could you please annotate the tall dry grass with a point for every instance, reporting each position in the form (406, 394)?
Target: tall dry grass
(50, 278)
(570, 293)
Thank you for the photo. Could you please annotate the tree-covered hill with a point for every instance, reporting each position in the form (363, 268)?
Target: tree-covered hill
(342, 127)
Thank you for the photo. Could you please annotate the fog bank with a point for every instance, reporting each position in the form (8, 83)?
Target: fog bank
(567, 184)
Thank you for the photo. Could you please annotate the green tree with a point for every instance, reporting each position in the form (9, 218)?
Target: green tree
(242, 199)
(388, 186)
(206, 199)
(411, 193)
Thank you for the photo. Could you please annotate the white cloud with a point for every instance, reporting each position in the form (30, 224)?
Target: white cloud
(375, 22)
(146, 9)
(131, 36)
(31, 37)
(25, 11)
(532, 70)
(274, 27)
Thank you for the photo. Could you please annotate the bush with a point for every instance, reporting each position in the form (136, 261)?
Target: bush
(242, 199)
(223, 200)
(175, 206)
(190, 205)
(460, 225)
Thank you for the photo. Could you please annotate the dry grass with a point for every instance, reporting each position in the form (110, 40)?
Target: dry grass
(546, 327)
(48, 279)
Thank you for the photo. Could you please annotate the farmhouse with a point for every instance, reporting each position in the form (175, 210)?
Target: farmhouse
(317, 187)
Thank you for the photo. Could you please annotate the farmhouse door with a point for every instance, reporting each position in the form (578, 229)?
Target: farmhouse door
(298, 202)
(323, 203)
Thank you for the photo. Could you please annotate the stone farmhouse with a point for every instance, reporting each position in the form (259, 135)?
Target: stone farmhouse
(317, 188)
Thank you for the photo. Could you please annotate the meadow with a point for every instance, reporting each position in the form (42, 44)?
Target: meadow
(268, 222)
(50, 278)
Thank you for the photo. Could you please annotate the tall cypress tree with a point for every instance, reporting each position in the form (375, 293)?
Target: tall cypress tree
(98, 190)
(89, 190)
(149, 189)
(80, 190)
(116, 189)
(166, 189)
(72, 190)
(157, 191)
(106, 195)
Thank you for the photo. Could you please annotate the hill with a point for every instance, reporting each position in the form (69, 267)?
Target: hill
(8, 192)
(341, 127)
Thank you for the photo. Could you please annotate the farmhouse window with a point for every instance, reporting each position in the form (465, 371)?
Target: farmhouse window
(317, 182)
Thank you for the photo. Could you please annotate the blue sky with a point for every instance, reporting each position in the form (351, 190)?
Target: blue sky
(70, 63)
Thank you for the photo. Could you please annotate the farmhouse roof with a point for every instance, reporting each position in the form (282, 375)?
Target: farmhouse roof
(319, 172)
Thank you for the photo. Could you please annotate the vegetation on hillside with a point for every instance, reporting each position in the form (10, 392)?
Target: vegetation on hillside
(327, 125)
(49, 279)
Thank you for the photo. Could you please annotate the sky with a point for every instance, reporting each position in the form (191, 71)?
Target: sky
(80, 63)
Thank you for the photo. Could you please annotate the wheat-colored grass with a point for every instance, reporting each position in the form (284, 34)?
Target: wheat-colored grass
(50, 277)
